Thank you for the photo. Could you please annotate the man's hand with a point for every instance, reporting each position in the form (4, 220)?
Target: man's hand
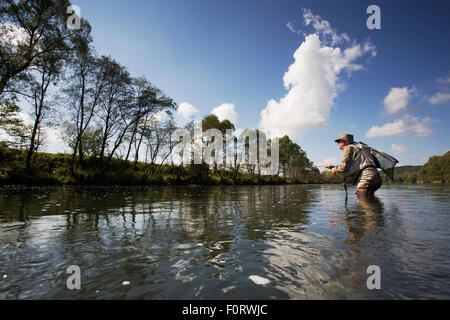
(333, 171)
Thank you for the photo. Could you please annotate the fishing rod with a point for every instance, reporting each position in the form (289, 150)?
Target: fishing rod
(331, 167)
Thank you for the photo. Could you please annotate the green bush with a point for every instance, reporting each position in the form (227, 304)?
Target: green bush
(436, 170)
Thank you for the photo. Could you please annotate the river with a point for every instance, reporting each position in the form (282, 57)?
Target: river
(245, 242)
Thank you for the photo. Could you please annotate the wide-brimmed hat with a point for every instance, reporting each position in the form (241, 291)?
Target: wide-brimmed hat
(347, 137)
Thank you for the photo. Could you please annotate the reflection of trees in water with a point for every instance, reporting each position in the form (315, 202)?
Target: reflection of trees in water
(146, 234)
(205, 242)
(272, 207)
(206, 214)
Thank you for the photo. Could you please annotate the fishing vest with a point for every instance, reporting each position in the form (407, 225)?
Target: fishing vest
(370, 157)
(363, 159)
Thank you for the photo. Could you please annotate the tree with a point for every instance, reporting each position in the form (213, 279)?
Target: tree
(158, 137)
(29, 30)
(212, 122)
(91, 140)
(12, 125)
(83, 93)
(45, 72)
(293, 161)
(436, 170)
(147, 103)
(250, 150)
(113, 106)
(255, 151)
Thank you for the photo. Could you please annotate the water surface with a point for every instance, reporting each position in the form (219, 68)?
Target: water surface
(308, 242)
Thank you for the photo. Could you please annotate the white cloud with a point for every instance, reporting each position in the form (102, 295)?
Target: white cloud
(291, 27)
(398, 149)
(312, 81)
(443, 93)
(408, 125)
(25, 118)
(397, 99)
(323, 27)
(186, 110)
(13, 35)
(226, 111)
(53, 141)
(439, 97)
(161, 116)
(445, 80)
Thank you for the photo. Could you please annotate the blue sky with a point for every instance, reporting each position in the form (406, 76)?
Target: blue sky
(209, 53)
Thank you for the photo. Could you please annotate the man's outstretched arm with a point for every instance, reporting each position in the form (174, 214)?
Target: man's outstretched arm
(347, 157)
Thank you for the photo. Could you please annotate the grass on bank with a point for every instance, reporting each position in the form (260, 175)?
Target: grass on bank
(54, 169)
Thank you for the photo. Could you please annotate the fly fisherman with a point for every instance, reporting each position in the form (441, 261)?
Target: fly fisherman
(358, 163)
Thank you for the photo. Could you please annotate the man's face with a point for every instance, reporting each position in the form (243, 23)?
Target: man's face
(342, 144)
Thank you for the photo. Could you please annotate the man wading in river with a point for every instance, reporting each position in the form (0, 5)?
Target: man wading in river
(358, 163)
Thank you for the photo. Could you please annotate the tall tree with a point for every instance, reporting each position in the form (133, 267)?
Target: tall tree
(212, 122)
(114, 103)
(148, 102)
(86, 86)
(45, 73)
(30, 29)
(157, 135)
(293, 160)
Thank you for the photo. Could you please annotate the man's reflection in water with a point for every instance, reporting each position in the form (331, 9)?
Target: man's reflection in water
(365, 220)
(362, 222)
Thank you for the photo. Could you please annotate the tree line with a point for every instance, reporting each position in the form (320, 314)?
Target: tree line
(436, 170)
(104, 112)
(57, 71)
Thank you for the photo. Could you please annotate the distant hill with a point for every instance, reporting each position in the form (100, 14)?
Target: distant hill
(407, 169)
(403, 174)
(436, 170)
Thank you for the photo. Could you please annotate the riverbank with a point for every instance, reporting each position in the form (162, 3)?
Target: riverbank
(55, 170)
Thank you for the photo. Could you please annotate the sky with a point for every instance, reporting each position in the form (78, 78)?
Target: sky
(309, 69)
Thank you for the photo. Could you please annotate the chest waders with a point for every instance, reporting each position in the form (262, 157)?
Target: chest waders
(368, 157)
